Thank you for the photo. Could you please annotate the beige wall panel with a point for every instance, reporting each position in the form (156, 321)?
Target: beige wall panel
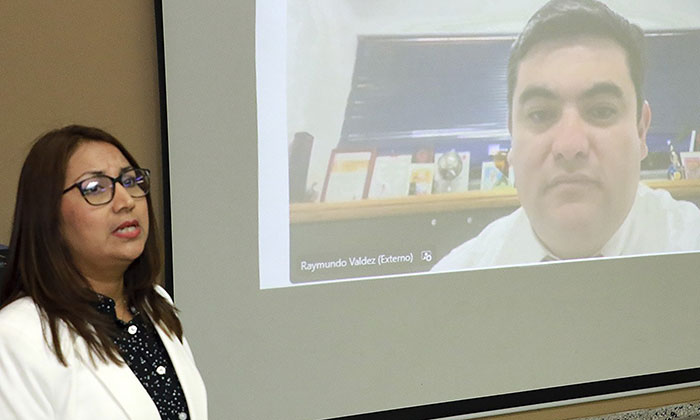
(81, 61)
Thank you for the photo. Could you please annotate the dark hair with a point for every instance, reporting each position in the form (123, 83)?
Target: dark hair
(40, 265)
(563, 19)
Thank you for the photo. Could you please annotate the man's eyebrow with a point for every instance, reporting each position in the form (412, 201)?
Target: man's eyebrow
(533, 92)
(603, 88)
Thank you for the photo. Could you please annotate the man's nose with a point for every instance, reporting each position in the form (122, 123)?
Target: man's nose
(570, 137)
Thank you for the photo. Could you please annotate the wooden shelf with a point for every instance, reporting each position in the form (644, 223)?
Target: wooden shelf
(687, 189)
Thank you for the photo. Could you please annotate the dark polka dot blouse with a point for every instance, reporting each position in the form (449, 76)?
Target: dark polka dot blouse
(144, 352)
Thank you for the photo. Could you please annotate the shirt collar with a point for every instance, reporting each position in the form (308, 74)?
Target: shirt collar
(615, 246)
(107, 306)
(522, 246)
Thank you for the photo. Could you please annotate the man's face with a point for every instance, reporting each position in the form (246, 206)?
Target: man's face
(577, 143)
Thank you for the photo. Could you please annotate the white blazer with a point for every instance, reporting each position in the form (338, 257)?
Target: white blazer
(34, 385)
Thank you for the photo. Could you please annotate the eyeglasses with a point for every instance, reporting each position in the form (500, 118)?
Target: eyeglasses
(99, 189)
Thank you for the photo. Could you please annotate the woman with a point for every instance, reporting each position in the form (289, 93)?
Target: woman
(85, 332)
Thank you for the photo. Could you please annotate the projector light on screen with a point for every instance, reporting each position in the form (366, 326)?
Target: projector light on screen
(535, 247)
(578, 169)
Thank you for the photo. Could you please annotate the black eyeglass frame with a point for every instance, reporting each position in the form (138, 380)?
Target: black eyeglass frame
(118, 179)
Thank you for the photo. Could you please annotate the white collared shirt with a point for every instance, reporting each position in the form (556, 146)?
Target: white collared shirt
(656, 223)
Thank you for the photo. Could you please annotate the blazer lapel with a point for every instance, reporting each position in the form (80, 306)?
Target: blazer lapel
(124, 386)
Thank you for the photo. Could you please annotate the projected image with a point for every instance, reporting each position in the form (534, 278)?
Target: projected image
(413, 148)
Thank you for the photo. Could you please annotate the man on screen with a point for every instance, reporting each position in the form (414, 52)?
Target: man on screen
(578, 123)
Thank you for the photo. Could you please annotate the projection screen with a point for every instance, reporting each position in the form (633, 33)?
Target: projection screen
(301, 260)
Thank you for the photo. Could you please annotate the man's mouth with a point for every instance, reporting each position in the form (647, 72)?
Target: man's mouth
(572, 180)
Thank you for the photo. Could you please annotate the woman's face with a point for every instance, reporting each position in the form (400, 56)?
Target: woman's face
(102, 239)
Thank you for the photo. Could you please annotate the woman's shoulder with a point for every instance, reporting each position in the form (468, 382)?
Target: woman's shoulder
(21, 321)
(20, 314)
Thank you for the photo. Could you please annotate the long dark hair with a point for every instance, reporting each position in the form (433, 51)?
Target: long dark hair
(40, 265)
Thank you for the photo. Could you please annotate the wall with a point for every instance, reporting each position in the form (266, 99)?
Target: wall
(87, 62)
(94, 62)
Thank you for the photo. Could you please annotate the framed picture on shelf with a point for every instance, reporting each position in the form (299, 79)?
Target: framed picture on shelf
(691, 163)
(422, 171)
(390, 177)
(492, 178)
(421, 179)
(348, 175)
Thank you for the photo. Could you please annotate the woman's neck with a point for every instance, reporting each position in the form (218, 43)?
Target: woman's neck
(113, 288)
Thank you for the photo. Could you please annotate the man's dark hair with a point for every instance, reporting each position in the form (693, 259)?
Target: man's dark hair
(564, 19)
